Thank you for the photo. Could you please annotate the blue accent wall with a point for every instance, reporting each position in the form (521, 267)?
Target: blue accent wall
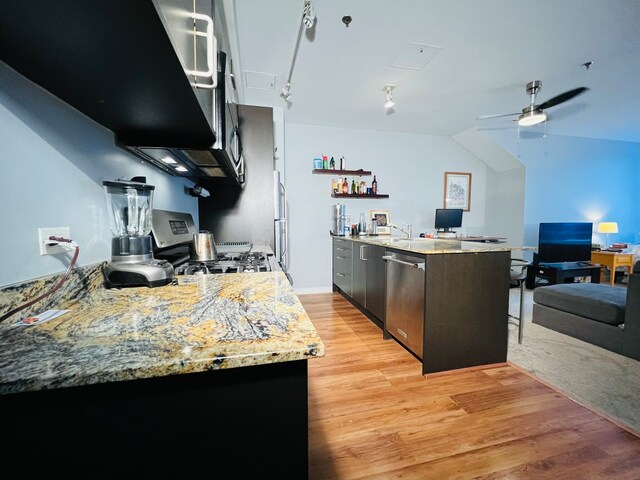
(53, 160)
(575, 179)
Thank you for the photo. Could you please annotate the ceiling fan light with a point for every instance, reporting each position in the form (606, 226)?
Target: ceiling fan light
(529, 119)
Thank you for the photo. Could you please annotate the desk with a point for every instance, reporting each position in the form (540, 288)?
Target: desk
(561, 274)
(612, 260)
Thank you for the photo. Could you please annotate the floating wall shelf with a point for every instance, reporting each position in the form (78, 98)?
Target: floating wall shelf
(323, 171)
(359, 195)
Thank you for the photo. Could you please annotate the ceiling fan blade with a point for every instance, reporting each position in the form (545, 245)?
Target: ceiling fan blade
(563, 97)
(483, 117)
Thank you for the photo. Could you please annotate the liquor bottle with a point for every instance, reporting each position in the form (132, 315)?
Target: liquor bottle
(332, 164)
(325, 162)
(345, 186)
(363, 187)
(353, 186)
(374, 186)
(334, 186)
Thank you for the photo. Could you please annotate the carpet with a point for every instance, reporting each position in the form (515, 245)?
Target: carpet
(603, 381)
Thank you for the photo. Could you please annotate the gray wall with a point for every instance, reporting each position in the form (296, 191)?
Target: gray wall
(409, 167)
(53, 160)
(247, 214)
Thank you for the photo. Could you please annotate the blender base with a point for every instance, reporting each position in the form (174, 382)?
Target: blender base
(152, 273)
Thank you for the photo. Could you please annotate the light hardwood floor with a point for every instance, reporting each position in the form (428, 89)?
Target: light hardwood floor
(372, 415)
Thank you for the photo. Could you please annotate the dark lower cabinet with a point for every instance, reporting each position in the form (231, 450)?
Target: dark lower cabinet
(465, 301)
(369, 279)
(466, 310)
(343, 265)
(252, 421)
(375, 281)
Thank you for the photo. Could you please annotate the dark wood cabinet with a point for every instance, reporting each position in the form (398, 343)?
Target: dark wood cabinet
(369, 278)
(342, 264)
(464, 296)
(466, 310)
(375, 280)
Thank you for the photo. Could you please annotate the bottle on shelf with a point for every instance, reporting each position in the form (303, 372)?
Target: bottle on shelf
(343, 163)
(374, 186)
(332, 164)
(353, 186)
(334, 186)
(325, 162)
(345, 186)
(363, 187)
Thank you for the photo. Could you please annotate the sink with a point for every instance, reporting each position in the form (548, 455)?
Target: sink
(412, 239)
(411, 242)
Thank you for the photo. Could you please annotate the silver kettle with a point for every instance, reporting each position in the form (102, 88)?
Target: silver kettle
(204, 246)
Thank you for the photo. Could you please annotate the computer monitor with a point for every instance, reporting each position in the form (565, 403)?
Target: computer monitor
(564, 242)
(448, 218)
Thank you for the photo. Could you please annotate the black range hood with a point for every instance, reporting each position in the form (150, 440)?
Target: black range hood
(113, 60)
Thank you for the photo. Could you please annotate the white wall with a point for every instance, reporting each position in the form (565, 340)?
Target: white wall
(409, 167)
(505, 205)
(52, 163)
(574, 179)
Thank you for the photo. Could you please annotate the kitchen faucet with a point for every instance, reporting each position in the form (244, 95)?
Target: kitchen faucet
(406, 231)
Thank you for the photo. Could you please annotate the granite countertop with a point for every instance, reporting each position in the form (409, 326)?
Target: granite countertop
(429, 246)
(203, 322)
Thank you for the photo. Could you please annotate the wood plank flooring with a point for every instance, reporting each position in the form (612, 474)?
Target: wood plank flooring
(372, 415)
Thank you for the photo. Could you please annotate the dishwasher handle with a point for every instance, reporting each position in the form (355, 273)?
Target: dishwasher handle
(389, 258)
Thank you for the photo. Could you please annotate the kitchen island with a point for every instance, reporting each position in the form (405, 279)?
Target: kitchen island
(444, 300)
(203, 375)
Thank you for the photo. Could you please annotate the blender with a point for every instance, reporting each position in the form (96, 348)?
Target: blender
(129, 206)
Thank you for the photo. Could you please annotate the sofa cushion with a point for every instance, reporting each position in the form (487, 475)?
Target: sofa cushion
(599, 302)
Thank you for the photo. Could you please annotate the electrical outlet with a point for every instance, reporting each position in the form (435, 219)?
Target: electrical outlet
(43, 239)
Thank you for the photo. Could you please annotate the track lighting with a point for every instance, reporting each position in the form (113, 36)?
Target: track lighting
(389, 103)
(308, 20)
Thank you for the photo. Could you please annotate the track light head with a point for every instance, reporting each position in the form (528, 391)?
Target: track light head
(389, 103)
(308, 14)
(286, 92)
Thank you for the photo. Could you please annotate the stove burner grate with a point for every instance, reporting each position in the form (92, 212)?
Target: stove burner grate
(232, 262)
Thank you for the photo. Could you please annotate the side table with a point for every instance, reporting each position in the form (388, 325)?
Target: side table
(561, 273)
(612, 260)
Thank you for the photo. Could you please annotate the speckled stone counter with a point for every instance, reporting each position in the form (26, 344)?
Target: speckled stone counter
(203, 323)
(180, 381)
(429, 246)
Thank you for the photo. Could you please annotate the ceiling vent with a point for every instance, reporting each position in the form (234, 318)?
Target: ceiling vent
(260, 80)
(414, 56)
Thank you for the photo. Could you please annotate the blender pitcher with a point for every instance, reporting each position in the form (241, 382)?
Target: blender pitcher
(129, 207)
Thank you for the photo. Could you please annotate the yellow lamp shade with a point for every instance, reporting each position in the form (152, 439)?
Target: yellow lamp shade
(608, 227)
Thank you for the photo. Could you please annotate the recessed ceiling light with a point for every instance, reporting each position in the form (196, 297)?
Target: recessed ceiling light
(168, 160)
(180, 168)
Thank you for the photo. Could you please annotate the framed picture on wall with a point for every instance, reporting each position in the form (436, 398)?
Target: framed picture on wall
(457, 190)
(382, 218)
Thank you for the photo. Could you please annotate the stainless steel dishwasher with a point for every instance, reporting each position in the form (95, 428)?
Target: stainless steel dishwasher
(404, 318)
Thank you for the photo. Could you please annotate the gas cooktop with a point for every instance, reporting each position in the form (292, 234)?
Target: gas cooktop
(233, 262)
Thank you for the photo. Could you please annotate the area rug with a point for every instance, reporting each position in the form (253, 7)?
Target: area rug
(602, 381)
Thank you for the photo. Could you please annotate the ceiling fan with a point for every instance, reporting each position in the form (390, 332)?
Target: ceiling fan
(534, 114)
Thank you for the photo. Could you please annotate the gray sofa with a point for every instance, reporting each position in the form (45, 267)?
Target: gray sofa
(595, 313)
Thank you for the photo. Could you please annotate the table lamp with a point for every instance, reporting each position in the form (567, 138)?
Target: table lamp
(608, 227)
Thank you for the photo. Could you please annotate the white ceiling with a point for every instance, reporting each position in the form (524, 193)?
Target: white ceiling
(490, 50)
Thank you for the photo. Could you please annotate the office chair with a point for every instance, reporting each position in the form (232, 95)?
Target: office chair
(518, 274)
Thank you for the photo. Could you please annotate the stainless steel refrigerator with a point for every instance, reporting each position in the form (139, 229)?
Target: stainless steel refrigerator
(281, 224)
